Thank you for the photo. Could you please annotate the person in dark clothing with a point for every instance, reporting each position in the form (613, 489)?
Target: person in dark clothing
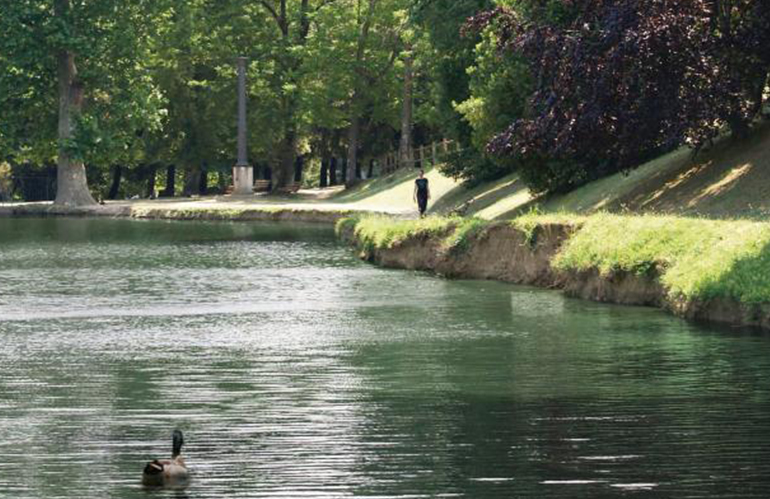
(421, 193)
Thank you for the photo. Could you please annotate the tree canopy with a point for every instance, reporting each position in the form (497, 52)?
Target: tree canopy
(562, 92)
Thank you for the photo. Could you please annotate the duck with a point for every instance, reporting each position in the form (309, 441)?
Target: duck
(168, 472)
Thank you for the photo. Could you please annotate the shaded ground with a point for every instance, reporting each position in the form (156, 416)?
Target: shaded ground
(732, 180)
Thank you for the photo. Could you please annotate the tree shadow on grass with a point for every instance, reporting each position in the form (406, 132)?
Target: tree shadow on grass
(732, 180)
(747, 281)
(375, 186)
(474, 200)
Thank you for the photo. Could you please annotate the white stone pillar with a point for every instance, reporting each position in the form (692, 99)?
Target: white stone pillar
(243, 173)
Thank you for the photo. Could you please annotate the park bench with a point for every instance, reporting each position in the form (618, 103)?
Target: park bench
(289, 189)
(261, 185)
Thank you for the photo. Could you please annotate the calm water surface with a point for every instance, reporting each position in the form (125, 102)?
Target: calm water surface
(297, 371)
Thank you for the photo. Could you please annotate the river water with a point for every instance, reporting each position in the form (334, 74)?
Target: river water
(296, 370)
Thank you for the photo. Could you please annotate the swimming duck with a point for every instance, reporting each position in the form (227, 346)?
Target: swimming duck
(167, 472)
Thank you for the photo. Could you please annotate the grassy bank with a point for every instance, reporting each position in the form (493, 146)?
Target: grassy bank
(696, 259)
(693, 259)
(373, 233)
(729, 180)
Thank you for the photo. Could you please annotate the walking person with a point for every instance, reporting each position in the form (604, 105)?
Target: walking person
(421, 193)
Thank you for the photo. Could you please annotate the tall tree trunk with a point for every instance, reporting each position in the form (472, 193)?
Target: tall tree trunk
(739, 126)
(71, 183)
(117, 174)
(283, 175)
(757, 93)
(299, 165)
(352, 159)
(355, 104)
(170, 189)
(221, 182)
(333, 171)
(203, 183)
(405, 152)
(192, 181)
(370, 172)
(344, 171)
(150, 191)
(324, 182)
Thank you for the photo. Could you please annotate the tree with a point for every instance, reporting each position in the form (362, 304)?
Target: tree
(447, 56)
(293, 31)
(366, 44)
(72, 187)
(621, 81)
(89, 52)
(405, 152)
(350, 75)
(499, 84)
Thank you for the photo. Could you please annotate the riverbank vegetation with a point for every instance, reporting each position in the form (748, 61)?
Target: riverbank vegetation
(693, 259)
(696, 259)
(140, 96)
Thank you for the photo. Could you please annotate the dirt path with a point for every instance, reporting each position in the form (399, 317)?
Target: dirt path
(307, 205)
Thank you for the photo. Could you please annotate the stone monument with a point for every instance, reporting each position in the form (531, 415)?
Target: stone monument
(243, 173)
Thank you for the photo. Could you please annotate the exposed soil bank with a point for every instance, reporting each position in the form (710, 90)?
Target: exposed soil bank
(522, 254)
(506, 253)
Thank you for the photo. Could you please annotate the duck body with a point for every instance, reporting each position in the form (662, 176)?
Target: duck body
(167, 472)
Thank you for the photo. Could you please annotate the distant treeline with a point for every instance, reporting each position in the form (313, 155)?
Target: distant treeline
(561, 91)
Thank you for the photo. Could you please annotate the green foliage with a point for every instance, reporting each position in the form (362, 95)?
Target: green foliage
(450, 55)
(473, 167)
(5, 181)
(110, 41)
(544, 174)
(159, 81)
(499, 86)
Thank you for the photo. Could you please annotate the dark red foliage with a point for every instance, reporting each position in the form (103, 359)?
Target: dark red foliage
(629, 79)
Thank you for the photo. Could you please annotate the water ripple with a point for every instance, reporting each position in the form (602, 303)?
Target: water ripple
(297, 371)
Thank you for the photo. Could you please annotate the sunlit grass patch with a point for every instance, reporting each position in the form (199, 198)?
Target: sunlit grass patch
(696, 258)
(380, 232)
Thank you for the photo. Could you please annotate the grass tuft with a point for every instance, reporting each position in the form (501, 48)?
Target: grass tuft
(381, 232)
(466, 231)
(534, 218)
